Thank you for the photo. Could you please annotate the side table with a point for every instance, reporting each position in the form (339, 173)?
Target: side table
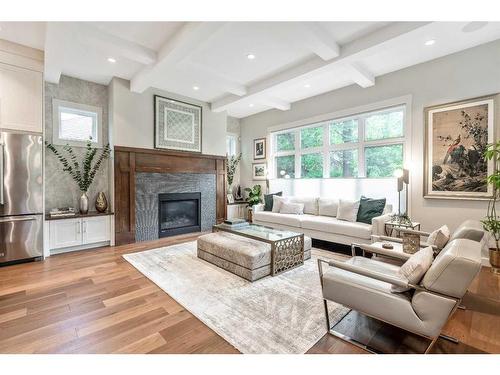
(390, 225)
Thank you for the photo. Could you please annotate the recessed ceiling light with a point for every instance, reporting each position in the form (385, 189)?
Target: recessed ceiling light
(196, 88)
(430, 42)
(307, 85)
(250, 105)
(250, 56)
(111, 60)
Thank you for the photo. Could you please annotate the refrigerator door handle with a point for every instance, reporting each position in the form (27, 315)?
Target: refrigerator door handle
(20, 218)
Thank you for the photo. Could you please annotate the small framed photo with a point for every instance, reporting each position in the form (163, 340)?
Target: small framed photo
(259, 171)
(230, 198)
(259, 148)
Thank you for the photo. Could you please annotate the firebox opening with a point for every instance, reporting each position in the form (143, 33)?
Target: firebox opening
(178, 213)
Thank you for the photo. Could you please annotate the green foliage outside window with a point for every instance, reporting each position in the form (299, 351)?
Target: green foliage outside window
(285, 142)
(312, 165)
(311, 137)
(343, 132)
(384, 125)
(344, 163)
(285, 166)
(382, 161)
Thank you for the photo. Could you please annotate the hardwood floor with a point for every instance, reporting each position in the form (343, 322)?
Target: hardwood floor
(95, 302)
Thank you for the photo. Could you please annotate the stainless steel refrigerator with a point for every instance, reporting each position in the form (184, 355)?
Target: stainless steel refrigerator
(21, 197)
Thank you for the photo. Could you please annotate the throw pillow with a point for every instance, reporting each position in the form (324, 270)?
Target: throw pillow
(415, 268)
(292, 208)
(310, 204)
(348, 210)
(328, 207)
(268, 201)
(277, 201)
(439, 237)
(370, 208)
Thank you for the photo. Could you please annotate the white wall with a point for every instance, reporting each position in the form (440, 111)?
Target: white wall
(132, 118)
(464, 75)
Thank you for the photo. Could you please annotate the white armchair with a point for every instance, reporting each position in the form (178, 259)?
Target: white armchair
(364, 285)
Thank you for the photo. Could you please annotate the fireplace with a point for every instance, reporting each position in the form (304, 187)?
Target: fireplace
(178, 213)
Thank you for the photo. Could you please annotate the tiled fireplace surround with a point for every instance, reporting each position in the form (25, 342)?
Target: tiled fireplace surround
(149, 185)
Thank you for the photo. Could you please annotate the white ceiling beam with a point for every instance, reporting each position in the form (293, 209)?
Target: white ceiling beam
(276, 103)
(219, 79)
(361, 76)
(54, 51)
(190, 36)
(316, 65)
(318, 40)
(114, 45)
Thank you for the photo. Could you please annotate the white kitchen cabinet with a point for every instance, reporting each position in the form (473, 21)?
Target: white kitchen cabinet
(95, 229)
(65, 233)
(21, 99)
(79, 233)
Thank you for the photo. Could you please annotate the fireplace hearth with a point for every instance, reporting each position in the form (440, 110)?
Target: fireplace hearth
(178, 213)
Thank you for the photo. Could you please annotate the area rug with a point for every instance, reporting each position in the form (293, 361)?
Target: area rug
(281, 314)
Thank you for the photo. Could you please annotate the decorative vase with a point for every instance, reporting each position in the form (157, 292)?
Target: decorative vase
(495, 261)
(84, 203)
(101, 203)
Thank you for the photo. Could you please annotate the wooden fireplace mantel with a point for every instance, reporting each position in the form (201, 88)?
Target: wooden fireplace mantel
(128, 161)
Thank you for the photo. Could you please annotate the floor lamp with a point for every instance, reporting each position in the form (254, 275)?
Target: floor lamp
(403, 178)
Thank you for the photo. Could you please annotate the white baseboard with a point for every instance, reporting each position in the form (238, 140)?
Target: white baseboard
(78, 248)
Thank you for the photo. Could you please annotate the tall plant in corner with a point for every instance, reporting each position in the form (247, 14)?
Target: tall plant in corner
(491, 222)
(232, 165)
(83, 173)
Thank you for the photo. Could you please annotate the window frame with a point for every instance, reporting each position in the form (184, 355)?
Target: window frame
(360, 145)
(234, 137)
(77, 107)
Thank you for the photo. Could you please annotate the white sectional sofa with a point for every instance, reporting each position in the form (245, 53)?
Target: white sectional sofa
(319, 221)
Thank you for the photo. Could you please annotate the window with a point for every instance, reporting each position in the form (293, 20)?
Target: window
(364, 145)
(312, 165)
(344, 163)
(311, 137)
(285, 166)
(75, 124)
(285, 142)
(382, 161)
(231, 145)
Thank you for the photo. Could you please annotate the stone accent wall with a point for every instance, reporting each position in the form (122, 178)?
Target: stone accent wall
(60, 189)
(149, 185)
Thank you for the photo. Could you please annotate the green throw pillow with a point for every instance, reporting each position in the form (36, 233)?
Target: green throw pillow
(268, 200)
(370, 208)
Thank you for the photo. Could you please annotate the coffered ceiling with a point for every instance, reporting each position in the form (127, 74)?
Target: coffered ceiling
(243, 67)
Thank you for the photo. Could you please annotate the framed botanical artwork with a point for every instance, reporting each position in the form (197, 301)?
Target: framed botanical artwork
(177, 125)
(259, 148)
(456, 137)
(259, 171)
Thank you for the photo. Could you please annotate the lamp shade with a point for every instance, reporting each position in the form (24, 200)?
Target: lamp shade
(406, 176)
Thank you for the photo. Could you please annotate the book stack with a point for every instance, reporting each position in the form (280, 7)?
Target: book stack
(236, 223)
(62, 212)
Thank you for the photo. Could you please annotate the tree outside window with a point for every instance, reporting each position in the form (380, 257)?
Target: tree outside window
(312, 165)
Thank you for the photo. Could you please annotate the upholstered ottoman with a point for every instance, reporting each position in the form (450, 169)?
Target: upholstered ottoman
(245, 257)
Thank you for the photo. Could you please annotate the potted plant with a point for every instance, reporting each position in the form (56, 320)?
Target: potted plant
(231, 166)
(83, 174)
(254, 197)
(491, 223)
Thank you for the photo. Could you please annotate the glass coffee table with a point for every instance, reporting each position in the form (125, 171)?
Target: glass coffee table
(287, 248)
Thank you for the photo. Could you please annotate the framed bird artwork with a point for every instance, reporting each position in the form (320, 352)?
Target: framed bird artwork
(456, 138)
